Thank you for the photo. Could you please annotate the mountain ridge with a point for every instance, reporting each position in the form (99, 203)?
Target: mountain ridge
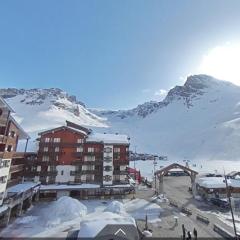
(200, 119)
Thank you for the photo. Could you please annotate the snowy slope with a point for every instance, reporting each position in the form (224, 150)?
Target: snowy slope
(199, 120)
(40, 109)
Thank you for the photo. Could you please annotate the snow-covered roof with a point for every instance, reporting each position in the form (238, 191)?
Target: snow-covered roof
(93, 224)
(62, 127)
(22, 133)
(22, 187)
(108, 138)
(217, 182)
(65, 186)
(5, 104)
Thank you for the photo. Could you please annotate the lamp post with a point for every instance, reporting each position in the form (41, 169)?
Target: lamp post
(230, 203)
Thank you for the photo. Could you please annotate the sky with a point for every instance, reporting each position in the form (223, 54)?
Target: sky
(112, 54)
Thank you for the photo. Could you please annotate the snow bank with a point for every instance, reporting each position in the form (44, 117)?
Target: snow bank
(116, 207)
(27, 219)
(147, 233)
(139, 208)
(64, 209)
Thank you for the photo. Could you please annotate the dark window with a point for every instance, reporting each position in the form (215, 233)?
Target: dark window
(12, 133)
(62, 172)
(1, 111)
(9, 148)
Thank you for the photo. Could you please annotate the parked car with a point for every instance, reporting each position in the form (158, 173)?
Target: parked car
(220, 202)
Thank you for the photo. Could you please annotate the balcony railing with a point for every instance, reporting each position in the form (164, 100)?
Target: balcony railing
(120, 162)
(47, 173)
(6, 155)
(13, 182)
(3, 139)
(16, 168)
(120, 172)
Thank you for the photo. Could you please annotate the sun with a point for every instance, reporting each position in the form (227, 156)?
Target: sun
(223, 62)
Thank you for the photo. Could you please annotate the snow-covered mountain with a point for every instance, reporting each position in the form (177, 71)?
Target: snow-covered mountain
(39, 109)
(199, 120)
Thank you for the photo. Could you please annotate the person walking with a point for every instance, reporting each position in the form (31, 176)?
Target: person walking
(195, 233)
(189, 237)
(183, 232)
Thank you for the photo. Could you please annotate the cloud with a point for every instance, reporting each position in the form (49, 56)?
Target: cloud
(161, 94)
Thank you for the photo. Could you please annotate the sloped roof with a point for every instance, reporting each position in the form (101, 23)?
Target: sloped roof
(23, 134)
(62, 128)
(108, 138)
(5, 104)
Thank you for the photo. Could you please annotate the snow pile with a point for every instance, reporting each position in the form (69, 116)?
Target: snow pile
(93, 223)
(116, 207)
(159, 199)
(27, 219)
(147, 233)
(64, 209)
(139, 208)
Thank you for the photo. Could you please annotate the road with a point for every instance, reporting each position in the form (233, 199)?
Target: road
(176, 189)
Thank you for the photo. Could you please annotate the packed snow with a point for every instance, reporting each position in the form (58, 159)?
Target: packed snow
(54, 219)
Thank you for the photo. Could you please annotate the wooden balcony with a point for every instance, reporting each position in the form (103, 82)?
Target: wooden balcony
(47, 173)
(120, 162)
(120, 172)
(3, 139)
(16, 168)
(6, 155)
(13, 182)
(3, 121)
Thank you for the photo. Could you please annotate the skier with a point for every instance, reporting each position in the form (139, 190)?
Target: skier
(195, 233)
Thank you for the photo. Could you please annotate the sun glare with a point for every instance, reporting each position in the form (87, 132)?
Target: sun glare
(223, 62)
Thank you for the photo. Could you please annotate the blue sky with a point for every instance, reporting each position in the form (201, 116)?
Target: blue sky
(110, 53)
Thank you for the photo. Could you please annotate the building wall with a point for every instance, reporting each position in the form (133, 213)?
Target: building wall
(8, 143)
(83, 159)
(64, 173)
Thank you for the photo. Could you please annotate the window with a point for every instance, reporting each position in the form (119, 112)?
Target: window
(56, 149)
(127, 149)
(62, 172)
(107, 150)
(45, 149)
(90, 149)
(107, 178)
(9, 148)
(6, 163)
(89, 177)
(3, 179)
(116, 177)
(1, 111)
(89, 158)
(45, 158)
(79, 149)
(88, 167)
(47, 140)
(117, 150)
(107, 168)
(57, 158)
(12, 134)
(56, 140)
(80, 140)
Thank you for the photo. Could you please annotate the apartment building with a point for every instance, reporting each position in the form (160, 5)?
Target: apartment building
(10, 134)
(73, 154)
